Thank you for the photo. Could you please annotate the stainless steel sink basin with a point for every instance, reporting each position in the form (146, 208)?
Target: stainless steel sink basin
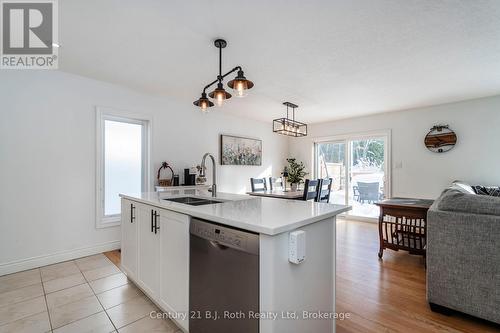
(193, 201)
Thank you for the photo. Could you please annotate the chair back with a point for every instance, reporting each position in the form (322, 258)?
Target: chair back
(275, 183)
(368, 191)
(311, 188)
(258, 184)
(325, 187)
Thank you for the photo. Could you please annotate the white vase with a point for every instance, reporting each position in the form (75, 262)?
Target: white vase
(294, 186)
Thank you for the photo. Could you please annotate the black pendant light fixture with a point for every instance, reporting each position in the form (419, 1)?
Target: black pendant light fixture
(289, 126)
(239, 84)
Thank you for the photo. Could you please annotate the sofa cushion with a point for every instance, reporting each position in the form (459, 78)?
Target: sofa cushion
(458, 201)
(493, 191)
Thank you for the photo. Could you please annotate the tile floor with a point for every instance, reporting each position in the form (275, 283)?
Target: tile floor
(85, 295)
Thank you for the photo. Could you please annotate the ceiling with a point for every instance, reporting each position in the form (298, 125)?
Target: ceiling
(335, 59)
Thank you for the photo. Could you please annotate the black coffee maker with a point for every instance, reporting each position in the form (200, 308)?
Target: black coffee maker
(189, 178)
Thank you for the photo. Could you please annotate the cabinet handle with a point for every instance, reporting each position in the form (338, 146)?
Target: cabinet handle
(152, 225)
(132, 209)
(156, 222)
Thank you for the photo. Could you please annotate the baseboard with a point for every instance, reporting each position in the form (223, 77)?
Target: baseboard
(34, 262)
(360, 218)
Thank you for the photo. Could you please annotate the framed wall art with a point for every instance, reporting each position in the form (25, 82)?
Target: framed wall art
(236, 150)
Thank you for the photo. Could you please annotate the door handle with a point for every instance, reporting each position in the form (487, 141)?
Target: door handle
(132, 209)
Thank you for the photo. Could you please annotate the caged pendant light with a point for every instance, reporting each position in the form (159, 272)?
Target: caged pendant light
(289, 126)
(239, 84)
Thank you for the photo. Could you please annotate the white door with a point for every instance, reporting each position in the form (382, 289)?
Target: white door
(174, 249)
(149, 254)
(129, 237)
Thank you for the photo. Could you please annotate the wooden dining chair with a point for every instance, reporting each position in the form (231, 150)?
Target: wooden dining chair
(325, 187)
(275, 183)
(258, 184)
(311, 188)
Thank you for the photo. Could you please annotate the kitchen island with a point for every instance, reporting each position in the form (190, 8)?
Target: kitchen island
(223, 263)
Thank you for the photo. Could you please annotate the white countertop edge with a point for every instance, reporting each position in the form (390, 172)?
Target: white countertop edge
(238, 224)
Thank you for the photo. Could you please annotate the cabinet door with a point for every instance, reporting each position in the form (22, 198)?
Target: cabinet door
(149, 251)
(174, 248)
(129, 238)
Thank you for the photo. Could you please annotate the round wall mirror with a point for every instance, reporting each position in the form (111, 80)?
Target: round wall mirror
(440, 139)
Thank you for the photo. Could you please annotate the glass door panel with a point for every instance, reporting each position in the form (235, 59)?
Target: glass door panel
(331, 163)
(358, 166)
(366, 176)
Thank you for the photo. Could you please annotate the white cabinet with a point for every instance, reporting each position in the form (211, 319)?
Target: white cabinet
(129, 238)
(149, 250)
(155, 255)
(174, 265)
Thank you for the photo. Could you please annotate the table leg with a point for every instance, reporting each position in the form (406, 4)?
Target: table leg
(380, 233)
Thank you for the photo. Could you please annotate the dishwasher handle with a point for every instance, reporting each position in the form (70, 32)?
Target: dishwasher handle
(218, 245)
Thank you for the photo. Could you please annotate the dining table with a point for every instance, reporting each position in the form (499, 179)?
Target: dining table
(294, 195)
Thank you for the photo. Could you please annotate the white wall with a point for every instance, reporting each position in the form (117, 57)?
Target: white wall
(475, 158)
(47, 151)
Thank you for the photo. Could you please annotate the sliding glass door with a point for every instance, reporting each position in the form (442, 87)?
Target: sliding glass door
(331, 163)
(358, 166)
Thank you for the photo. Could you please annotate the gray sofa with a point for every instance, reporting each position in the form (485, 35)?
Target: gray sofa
(463, 253)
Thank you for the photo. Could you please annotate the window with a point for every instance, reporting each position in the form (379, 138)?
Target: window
(122, 161)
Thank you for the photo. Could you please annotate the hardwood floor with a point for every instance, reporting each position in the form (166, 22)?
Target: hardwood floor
(114, 256)
(383, 296)
(388, 295)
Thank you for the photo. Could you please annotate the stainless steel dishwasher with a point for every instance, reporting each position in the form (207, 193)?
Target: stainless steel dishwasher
(223, 279)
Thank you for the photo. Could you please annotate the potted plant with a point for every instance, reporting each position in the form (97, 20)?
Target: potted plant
(296, 172)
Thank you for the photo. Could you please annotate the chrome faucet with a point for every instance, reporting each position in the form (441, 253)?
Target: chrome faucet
(214, 172)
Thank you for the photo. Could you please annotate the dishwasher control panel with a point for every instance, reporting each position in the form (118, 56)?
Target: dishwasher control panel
(234, 238)
(222, 236)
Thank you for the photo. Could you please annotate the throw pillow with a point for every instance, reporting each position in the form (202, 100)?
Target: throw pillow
(493, 191)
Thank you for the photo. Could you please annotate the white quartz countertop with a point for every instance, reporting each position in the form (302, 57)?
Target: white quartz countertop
(269, 216)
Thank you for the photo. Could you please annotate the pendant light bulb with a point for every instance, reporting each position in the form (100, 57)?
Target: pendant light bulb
(240, 84)
(240, 89)
(203, 103)
(219, 98)
(204, 106)
(219, 94)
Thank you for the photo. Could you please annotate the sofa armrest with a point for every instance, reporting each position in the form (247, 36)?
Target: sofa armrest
(463, 262)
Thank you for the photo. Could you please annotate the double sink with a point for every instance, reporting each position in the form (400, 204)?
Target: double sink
(193, 201)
